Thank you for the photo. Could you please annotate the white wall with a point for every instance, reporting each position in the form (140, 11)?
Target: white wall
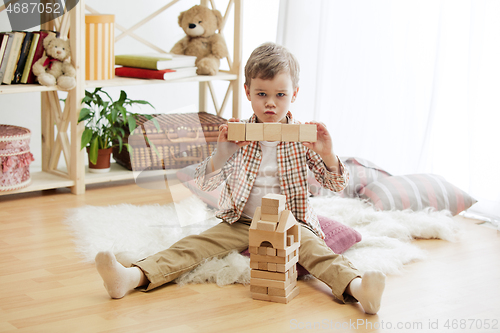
(259, 26)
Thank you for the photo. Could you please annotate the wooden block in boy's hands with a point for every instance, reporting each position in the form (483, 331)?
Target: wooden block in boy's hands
(290, 132)
(308, 133)
(254, 132)
(272, 131)
(236, 131)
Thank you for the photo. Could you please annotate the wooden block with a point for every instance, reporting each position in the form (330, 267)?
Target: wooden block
(285, 252)
(258, 289)
(262, 250)
(271, 251)
(282, 292)
(253, 250)
(236, 131)
(271, 267)
(286, 299)
(266, 258)
(254, 264)
(272, 132)
(290, 132)
(272, 218)
(308, 133)
(273, 200)
(257, 237)
(273, 283)
(288, 266)
(262, 266)
(287, 220)
(289, 240)
(277, 299)
(254, 132)
(275, 276)
(274, 210)
(266, 225)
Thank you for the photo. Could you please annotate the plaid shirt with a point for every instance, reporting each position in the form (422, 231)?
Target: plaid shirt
(240, 172)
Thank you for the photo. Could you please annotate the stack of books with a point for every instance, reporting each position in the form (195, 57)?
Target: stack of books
(19, 50)
(159, 66)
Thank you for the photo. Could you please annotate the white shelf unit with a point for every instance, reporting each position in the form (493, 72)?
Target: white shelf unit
(65, 136)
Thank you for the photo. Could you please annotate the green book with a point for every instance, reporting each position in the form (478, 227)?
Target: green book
(29, 60)
(158, 61)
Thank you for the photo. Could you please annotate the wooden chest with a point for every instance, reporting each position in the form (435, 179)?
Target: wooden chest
(174, 141)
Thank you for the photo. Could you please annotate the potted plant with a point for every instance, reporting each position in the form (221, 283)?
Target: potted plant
(106, 122)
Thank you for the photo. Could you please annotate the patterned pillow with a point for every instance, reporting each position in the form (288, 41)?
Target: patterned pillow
(417, 192)
(361, 173)
(186, 177)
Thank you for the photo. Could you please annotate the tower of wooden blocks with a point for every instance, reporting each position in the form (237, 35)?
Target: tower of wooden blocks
(271, 132)
(274, 240)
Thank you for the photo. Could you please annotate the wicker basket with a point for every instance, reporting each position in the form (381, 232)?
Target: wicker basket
(182, 139)
(15, 157)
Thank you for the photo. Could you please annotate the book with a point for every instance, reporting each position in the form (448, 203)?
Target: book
(163, 74)
(23, 56)
(4, 39)
(157, 61)
(39, 52)
(5, 60)
(29, 59)
(14, 53)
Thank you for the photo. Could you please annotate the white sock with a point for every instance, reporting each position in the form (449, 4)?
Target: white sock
(368, 290)
(118, 280)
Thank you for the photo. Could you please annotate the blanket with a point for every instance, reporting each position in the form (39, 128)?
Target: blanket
(134, 232)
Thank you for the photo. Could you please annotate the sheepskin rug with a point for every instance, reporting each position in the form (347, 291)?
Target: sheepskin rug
(134, 232)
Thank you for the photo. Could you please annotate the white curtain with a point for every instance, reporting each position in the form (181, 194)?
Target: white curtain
(412, 85)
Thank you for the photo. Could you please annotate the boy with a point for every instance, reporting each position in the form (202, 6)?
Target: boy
(250, 170)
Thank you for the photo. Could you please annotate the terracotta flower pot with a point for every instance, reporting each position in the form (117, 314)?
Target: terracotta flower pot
(103, 163)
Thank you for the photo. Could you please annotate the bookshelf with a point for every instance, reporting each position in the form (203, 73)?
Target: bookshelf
(60, 132)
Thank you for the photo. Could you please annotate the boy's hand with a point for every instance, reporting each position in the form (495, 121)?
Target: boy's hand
(225, 148)
(324, 147)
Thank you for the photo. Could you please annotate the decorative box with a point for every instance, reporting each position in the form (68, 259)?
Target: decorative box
(99, 47)
(15, 157)
(182, 139)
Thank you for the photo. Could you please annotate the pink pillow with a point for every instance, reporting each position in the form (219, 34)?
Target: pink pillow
(417, 192)
(361, 173)
(338, 237)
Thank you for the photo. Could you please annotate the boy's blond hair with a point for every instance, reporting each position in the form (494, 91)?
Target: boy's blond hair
(269, 60)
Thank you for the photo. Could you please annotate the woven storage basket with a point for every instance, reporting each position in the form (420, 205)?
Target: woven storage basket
(15, 157)
(183, 139)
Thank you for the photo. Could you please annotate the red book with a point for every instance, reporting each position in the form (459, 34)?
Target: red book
(38, 54)
(164, 74)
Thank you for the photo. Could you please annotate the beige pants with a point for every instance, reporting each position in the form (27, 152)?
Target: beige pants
(314, 255)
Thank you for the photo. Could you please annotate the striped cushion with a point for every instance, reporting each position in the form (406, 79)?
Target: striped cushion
(361, 173)
(417, 192)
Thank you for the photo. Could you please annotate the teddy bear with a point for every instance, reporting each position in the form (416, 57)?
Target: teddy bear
(54, 67)
(200, 24)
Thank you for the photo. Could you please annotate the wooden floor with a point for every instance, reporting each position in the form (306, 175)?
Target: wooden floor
(45, 288)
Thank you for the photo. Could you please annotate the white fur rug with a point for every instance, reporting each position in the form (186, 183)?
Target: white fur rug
(134, 232)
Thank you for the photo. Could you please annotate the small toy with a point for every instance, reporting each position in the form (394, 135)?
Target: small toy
(200, 25)
(274, 240)
(55, 68)
(272, 132)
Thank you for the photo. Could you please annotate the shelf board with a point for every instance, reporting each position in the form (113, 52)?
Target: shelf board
(42, 181)
(126, 81)
(23, 88)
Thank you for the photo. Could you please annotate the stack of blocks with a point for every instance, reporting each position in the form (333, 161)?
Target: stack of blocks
(271, 132)
(274, 240)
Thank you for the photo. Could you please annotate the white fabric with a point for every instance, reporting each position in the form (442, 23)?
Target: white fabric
(410, 85)
(134, 232)
(267, 180)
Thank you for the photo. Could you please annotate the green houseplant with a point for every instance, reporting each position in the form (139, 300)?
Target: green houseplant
(106, 121)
